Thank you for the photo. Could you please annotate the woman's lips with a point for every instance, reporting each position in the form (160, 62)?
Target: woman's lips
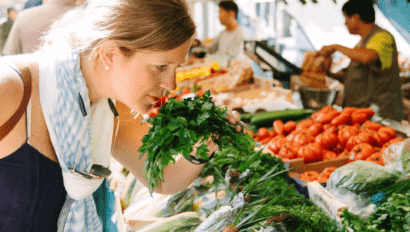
(155, 99)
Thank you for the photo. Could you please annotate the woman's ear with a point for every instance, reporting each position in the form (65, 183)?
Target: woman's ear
(107, 50)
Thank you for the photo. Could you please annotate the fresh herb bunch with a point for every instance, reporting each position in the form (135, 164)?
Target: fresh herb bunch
(181, 124)
(393, 215)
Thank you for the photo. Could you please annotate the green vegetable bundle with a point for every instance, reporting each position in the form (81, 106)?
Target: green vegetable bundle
(181, 124)
(393, 215)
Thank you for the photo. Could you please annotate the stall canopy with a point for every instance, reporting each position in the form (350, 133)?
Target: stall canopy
(398, 13)
(323, 22)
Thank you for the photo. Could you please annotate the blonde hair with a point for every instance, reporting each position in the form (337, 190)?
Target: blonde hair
(154, 25)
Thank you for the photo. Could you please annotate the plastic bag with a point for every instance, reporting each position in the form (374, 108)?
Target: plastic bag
(361, 176)
(205, 205)
(224, 216)
(349, 183)
(396, 157)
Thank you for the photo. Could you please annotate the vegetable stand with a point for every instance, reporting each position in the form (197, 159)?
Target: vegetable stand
(249, 189)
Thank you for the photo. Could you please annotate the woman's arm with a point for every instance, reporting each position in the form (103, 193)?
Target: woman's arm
(177, 176)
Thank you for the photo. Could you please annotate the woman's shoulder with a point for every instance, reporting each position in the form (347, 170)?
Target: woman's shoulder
(11, 91)
(11, 83)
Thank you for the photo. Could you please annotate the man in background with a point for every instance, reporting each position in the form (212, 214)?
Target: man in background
(372, 78)
(6, 26)
(31, 25)
(229, 42)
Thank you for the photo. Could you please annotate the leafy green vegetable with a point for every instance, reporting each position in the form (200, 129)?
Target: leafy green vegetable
(393, 215)
(181, 124)
(361, 176)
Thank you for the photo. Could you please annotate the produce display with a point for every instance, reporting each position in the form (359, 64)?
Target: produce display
(328, 134)
(392, 215)
(252, 196)
(247, 189)
(322, 177)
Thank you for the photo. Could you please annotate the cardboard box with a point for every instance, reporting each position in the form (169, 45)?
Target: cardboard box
(301, 185)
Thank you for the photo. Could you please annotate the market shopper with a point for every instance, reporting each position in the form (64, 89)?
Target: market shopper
(122, 50)
(229, 43)
(372, 78)
(7, 25)
(32, 24)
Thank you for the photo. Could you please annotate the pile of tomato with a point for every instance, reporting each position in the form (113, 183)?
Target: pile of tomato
(329, 134)
(322, 177)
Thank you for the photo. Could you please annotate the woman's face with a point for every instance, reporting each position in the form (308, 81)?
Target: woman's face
(140, 80)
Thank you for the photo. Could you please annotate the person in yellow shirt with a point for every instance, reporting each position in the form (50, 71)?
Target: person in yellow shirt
(372, 78)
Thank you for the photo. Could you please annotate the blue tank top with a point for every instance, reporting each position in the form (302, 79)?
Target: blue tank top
(32, 192)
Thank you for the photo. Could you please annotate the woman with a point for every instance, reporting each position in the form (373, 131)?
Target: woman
(123, 50)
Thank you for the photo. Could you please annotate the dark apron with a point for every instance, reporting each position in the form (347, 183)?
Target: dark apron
(367, 83)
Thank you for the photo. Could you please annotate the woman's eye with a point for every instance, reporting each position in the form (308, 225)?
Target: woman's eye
(161, 67)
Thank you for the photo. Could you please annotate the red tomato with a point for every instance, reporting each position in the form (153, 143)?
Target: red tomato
(314, 130)
(302, 139)
(263, 133)
(358, 118)
(376, 158)
(161, 101)
(186, 91)
(389, 131)
(342, 119)
(328, 117)
(345, 134)
(349, 110)
(362, 137)
(278, 127)
(329, 155)
(304, 124)
(361, 151)
(327, 140)
(287, 152)
(311, 153)
(330, 128)
(374, 126)
(289, 127)
(154, 112)
(276, 143)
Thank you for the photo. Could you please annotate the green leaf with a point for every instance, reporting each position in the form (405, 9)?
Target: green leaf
(202, 118)
(207, 106)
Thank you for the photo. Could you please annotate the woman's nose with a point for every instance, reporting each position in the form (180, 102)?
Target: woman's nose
(170, 82)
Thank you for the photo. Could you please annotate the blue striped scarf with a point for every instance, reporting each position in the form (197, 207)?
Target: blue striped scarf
(61, 83)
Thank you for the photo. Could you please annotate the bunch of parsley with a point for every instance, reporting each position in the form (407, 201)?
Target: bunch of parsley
(181, 124)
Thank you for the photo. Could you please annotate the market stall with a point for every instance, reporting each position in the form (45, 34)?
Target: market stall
(317, 170)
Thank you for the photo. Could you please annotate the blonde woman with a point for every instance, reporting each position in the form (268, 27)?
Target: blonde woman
(123, 51)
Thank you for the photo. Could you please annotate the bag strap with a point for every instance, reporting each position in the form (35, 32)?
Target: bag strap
(15, 118)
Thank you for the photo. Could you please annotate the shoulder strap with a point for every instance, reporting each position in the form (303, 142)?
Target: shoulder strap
(15, 118)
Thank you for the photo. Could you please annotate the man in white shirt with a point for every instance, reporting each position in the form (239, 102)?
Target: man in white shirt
(229, 42)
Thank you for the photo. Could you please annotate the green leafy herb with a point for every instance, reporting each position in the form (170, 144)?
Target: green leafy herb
(393, 215)
(181, 124)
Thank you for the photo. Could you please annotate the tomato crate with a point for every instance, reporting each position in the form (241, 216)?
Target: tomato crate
(301, 185)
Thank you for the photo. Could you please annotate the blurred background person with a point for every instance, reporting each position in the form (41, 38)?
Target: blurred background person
(229, 43)
(372, 78)
(6, 26)
(31, 25)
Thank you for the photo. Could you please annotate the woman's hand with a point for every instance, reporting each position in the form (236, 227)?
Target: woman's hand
(234, 119)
